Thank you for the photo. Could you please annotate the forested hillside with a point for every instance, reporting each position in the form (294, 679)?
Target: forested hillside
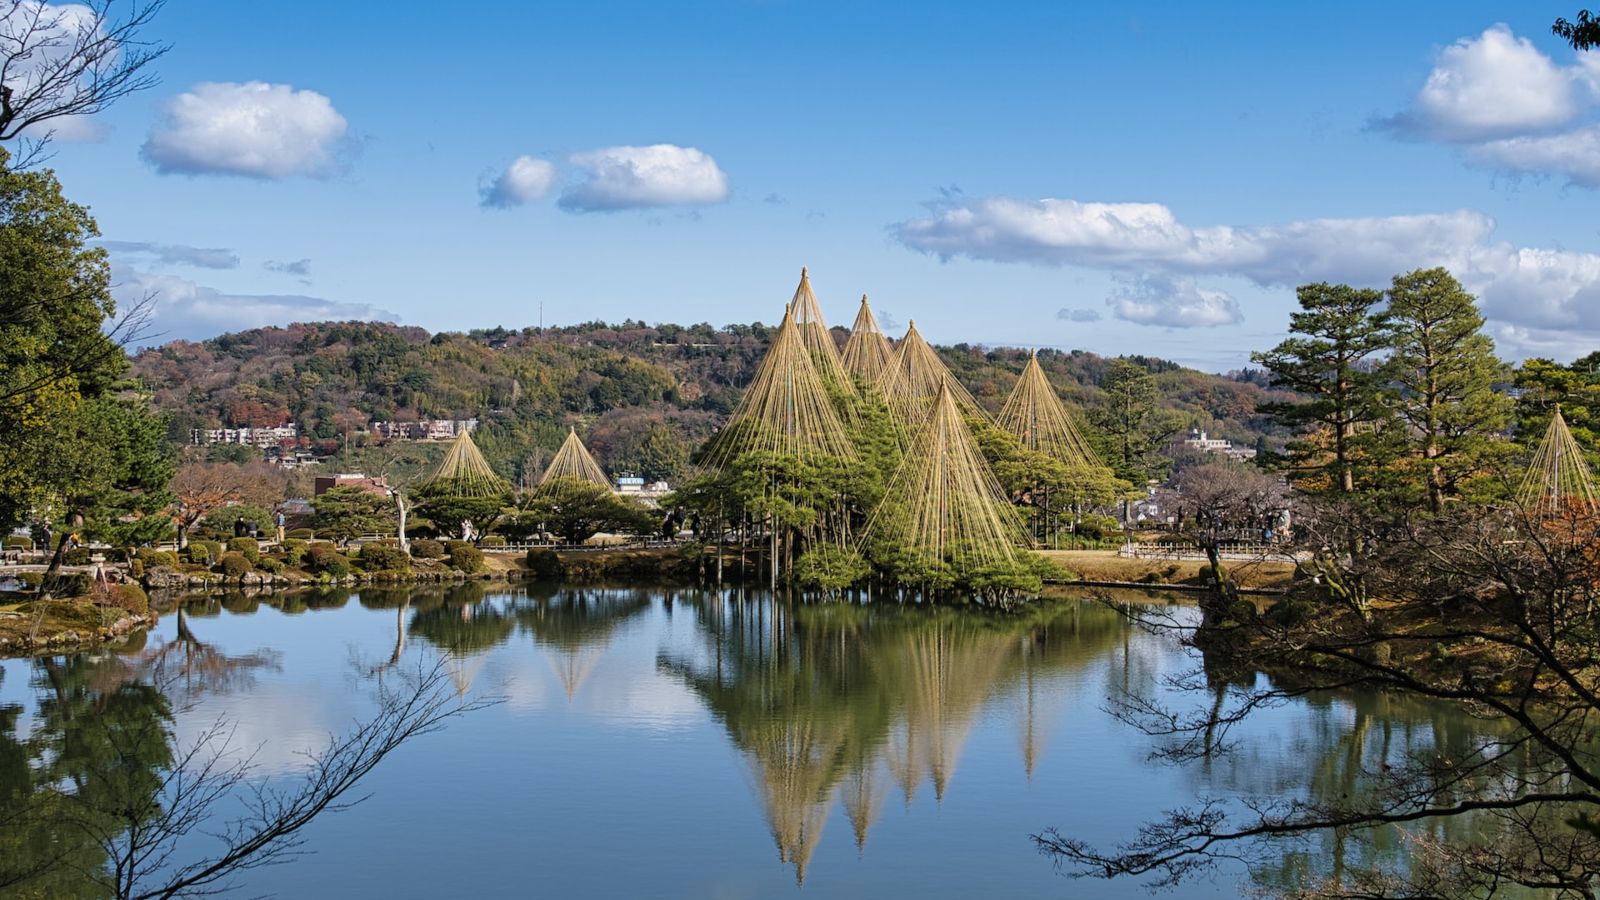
(643, 395)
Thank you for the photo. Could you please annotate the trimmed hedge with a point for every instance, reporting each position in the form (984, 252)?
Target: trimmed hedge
(235, 564)
(248, 547)
(426, 549)
(294, 551)
(466, 558)
(299, 534)
(151, 558)
(544, 564)
(325, 559)
(384, 558)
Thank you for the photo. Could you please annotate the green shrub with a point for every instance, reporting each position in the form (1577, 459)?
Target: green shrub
(235, 564)
(493, 540)
(294, 551)
(269, 564)
(136, 567)
(376, 557)
(152, 558)
(248, 547)
(77, 556)
(466, 558)
(544, 564)
(299, 534)
(131, 597)
(325, 559)
(830, 568)
(199, 553)
(426, 549)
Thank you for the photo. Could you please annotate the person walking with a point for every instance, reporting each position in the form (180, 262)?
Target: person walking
(278, 522)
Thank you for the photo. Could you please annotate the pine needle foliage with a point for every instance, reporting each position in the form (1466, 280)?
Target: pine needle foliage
(787, 409)
(465, 473)
(815, 335)
(1036, 415)
(943, 506)
(573, 463)
(1559, 477)
(915, 378)
(867, 354)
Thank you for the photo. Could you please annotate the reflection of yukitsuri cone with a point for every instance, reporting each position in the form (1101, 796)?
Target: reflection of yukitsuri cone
(465, 473)
(463, 671)
(1036, 415)
(573, 463)
(816, 337)
(1036, 716)
(786, 409)
(863, 795)
(948, 673)
(943, 500)
(1558, 479)
(867, 354)
(573, 667)
(796, 766)
(914, 378)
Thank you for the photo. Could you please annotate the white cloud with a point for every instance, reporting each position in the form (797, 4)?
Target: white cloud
(254, 129)
(1174, 303)
(1494, 85)
(1574, 154)
(527, 179)
(636, 177)
(1509, 107)
(178, 254)
(184, 309)
(1078, 315)
(1522, 286)
(300, 268)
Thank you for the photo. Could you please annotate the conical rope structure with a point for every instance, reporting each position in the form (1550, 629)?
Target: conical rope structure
(867, 354)
(815, 335)
(1035, 414)
(786, 409)
(944, 501)
(1558, 478)
(914, 379)
(465, 473)
(573, 463)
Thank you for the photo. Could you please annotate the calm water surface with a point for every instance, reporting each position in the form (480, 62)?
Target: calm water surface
(660, 743)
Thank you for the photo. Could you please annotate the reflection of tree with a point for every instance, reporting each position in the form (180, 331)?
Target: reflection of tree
(576, 625)
(188, 667)
(98, 800)
(824, 701)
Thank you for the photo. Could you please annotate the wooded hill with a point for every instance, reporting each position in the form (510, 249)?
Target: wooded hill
(644, 395)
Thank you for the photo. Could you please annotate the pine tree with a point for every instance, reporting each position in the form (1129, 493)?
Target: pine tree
(1442, 370)
(1330, 363)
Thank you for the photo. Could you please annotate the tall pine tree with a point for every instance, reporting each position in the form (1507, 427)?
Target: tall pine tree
(1441, 373)
(1338, 334)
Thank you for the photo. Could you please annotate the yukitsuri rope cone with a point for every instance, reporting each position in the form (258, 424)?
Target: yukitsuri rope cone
(573, 463)
(1036, 415)
(914, 379)
(1559, 477)
(786, 408)
(944, 501)
(465, 473)
(867, 353)
(814, 333)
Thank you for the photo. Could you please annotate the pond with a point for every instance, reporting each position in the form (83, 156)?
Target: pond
(686, 743)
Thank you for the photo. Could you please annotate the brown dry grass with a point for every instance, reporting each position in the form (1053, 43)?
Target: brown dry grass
(1106, 565)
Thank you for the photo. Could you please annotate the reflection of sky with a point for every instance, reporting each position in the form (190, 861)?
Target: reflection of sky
(633, 787)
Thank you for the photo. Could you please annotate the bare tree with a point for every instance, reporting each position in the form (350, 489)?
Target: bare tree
(1220, 502)
(205, 487)
(61, 60)
(1493, 612)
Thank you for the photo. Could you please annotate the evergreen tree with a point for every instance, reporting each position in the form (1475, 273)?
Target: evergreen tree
(1133, 421)
(1442, 370)
(1330, 362)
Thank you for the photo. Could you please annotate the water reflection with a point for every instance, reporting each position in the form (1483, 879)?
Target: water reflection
(831, 704)
(835, 710)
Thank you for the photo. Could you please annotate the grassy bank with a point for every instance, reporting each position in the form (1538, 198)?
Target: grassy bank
(1106, 567)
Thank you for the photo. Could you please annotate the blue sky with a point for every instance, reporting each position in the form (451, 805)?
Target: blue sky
(1149, 178)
